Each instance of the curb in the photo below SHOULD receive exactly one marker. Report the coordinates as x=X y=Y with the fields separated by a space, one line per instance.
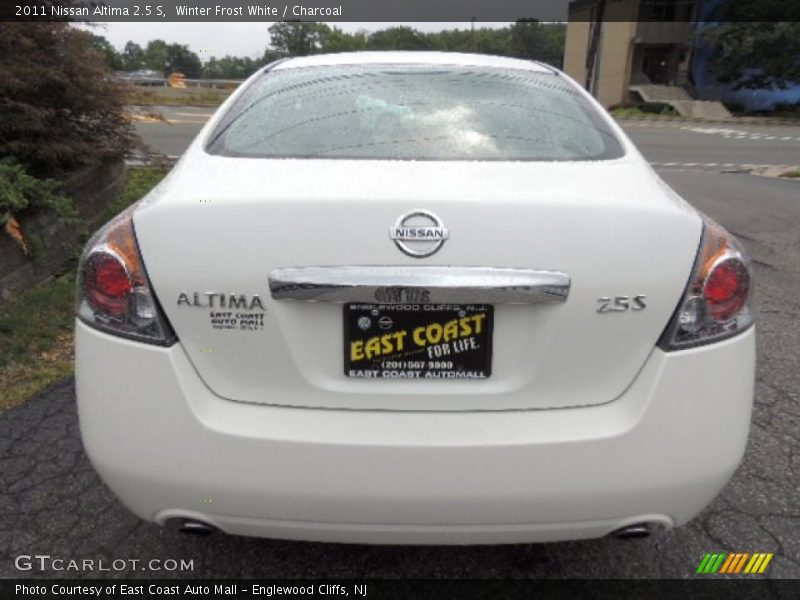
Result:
x=731 y=121
x=772 y=171
x=778 y=172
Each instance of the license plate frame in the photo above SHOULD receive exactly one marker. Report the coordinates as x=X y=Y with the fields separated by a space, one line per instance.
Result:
x=382 y=341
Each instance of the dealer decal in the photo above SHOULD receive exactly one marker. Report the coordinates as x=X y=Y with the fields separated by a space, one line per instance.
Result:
x=245 y=313
x=435 y=337
x=418 y=341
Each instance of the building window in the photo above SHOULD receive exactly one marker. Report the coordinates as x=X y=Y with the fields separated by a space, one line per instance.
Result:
x=667 y=10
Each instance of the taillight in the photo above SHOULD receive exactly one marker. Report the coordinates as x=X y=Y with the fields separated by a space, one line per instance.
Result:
x=114 y=293
x=106 y=283
x=727 y=289
x=717 y=302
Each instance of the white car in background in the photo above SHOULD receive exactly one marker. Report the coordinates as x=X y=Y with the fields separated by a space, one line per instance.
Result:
x=414 y=298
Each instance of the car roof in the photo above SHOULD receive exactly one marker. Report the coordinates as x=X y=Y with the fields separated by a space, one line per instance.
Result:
x=413 y=58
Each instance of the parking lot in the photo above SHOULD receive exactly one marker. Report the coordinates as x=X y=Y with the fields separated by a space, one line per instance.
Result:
x=51 y=501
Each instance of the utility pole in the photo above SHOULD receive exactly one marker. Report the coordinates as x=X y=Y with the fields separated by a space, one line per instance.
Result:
x=595 y=35
x=472 y=34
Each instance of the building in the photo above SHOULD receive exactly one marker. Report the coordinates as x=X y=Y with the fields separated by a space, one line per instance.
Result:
x=615 y=44
x=644 y=50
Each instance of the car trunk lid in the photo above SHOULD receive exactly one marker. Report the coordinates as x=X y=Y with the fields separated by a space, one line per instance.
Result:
x=218 y=227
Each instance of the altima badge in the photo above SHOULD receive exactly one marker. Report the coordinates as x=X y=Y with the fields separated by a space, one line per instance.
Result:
x=419 y=233
x=220 y=300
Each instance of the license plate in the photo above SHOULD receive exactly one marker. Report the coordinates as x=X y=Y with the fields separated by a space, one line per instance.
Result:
x=418 y=341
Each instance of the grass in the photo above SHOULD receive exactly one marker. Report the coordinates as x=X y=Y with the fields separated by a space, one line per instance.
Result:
x=36 y=328
x=36 y=340
x=168 y=96
x=139 y=181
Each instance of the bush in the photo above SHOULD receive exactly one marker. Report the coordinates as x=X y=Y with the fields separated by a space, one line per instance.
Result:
x=642 y=109
x=787 y=109
x=735 y=108
x=657 y=108
x=19 y=192
x=60 y=106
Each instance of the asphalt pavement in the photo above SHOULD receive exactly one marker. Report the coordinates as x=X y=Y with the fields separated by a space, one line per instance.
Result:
x=715 y=146
x=52 y=502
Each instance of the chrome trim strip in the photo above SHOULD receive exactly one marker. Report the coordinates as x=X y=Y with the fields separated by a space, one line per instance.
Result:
x=419 y=285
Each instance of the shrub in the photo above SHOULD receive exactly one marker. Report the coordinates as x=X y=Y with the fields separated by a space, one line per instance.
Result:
x=60 y=106
x=735 y=107
x=20 y=191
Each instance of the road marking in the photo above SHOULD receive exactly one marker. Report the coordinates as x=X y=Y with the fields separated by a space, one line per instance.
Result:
x=147 y=118
x=738 y=134
x=186 y=122
x=183 y=114
x=713 y=167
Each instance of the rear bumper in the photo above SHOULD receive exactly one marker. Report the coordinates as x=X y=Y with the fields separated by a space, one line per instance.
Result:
x=169 y=447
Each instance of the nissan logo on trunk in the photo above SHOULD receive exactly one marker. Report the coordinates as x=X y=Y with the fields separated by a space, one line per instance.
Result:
x=419 y=233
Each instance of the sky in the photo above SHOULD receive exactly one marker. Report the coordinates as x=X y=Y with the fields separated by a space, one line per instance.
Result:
x=236 y=39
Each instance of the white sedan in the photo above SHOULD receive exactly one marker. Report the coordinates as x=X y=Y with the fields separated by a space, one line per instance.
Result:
x=414 y=298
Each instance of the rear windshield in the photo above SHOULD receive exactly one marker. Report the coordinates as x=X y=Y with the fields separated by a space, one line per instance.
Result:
x=412 y=112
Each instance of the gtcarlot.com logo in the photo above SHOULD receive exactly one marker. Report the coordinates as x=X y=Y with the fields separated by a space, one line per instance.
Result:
x=46 y=562
x=743 y=563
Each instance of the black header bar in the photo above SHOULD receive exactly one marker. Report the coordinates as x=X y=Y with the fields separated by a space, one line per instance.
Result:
x=397 y=10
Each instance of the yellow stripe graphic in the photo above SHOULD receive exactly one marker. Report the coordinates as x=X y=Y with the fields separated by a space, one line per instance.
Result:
x=753 y=564
x=765 y=563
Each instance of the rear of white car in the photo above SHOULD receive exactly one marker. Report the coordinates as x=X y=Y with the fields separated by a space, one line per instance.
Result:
x=414 y=298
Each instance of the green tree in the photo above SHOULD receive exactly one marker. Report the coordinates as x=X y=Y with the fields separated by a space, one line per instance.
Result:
x=755 y=43
x=155 y=56
x=298 y=38
x=230 y=67
x=524 y=39
x=536 y=41
x=111 y=57
x=755 y=55
x=132 y=57
x=179 y=59
x=481 y=40
x=398 y=38
x=453 y=40
x=270 y=55
x=337 y=40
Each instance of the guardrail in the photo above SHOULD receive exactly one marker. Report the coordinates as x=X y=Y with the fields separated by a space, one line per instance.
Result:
x=223 y=84
x=146 y=81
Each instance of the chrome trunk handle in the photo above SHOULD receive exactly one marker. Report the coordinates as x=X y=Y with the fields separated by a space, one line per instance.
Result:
x=419 y=285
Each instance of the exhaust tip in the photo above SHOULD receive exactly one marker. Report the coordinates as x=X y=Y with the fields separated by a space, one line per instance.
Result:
x=633 y=532
x=197 y=528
